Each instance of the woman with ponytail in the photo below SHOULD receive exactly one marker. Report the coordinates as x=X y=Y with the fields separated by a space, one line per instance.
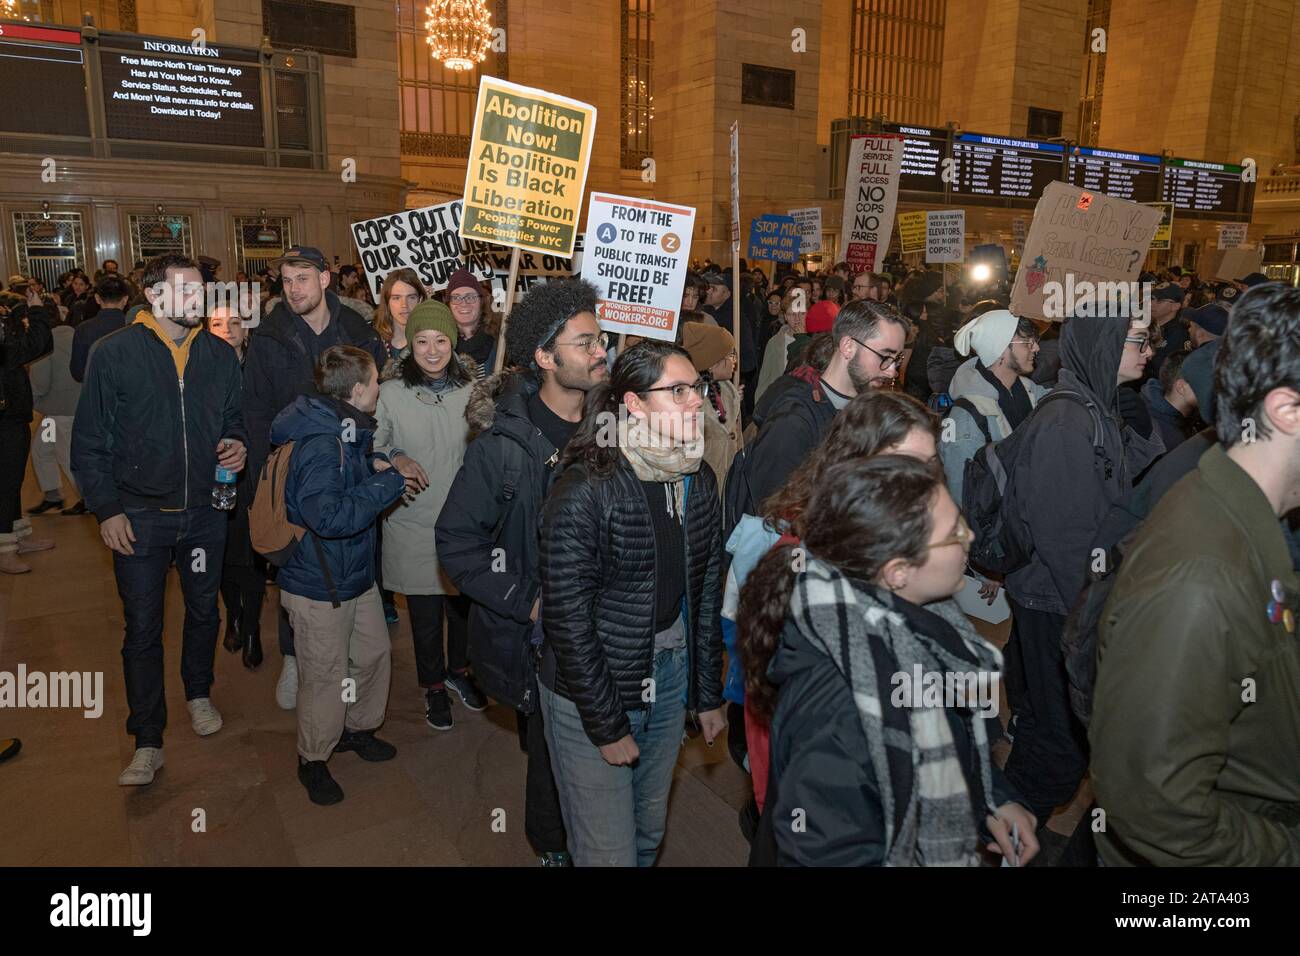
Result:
x=843 y=631
x=630 y=595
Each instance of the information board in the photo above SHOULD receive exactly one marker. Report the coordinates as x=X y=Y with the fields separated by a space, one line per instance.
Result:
x=1004 y=168
x=50 y=63
x=1131 y=176
x=1199 y=186
x=924 y=150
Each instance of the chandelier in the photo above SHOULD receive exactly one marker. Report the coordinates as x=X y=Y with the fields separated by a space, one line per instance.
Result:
x=459 y=32
x=9 y=10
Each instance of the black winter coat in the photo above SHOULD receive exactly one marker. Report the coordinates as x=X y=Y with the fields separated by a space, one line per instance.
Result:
x=792 y=427
x=598 y=594
x=19 y=347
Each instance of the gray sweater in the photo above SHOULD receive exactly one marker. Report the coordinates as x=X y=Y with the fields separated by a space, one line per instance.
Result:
x=54 y=390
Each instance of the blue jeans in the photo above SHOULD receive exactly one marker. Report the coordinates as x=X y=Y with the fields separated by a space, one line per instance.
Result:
x=160 y=538
x=615 y=816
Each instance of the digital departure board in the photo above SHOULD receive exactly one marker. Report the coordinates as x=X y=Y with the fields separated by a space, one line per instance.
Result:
x=1004 y=168
x=174 y=92
x=1199 y=186
x=924 y=150
x=47 y=64
x=1131 y=176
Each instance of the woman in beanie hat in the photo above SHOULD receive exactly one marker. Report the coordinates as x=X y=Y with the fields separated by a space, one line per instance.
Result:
x=421 y=416
x=470 y=309
x=401 y=292
x=713 y=352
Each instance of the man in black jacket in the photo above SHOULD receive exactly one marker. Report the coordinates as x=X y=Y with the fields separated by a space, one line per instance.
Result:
x=112 y=293
x=159 y=413
x=281 y=365
x=487 y=535
x=24 y=337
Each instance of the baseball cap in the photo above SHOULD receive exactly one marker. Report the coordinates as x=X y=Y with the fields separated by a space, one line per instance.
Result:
x=1226 y=295
x=303 y=256
x=1212 y=317
x=1168 y=292
x=1254 y=279
x=715 y=278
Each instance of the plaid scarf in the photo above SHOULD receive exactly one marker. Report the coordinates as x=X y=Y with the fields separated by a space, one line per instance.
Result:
x=923 y=790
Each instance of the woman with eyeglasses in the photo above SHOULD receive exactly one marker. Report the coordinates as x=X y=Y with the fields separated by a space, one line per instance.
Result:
x=867 y=767
x=630 y=594
x=471 y=310
x=400 y=293
x=422 y=428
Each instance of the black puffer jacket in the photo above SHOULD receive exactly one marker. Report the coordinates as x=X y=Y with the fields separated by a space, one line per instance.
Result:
x=598 y=594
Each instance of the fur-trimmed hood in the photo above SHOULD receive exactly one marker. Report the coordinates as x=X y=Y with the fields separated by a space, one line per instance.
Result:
x=506 y=392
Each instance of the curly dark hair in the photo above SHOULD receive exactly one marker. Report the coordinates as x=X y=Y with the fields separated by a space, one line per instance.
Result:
x=538 y=317
x=1259 y=352
x=865 y=513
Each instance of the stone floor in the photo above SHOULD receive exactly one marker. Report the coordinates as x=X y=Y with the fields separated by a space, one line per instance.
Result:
x=435 y=804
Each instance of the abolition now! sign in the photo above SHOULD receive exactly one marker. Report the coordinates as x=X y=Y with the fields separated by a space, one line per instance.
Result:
x=775 y=238
x=637 y=260
x=870 y=197
x=1077 y=240
x=428 y=241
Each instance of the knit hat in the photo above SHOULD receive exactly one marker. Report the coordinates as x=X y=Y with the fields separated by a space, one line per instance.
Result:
x=707 y=344
x=462 y=279
x=431 y=315
x=989 y=334
x=821 y=317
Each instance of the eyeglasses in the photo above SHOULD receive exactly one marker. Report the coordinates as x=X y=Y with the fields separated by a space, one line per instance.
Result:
x=1141 y=341
x=592 y=345
x=886 y=361
x=466 y=299
x=681 y=391
x=963 y=535
x=1032 y=343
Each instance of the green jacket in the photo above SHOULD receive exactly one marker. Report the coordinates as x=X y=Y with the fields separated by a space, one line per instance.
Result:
x=1187 y=772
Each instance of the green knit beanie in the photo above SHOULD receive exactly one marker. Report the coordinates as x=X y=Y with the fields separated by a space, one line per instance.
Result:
x=431 y=315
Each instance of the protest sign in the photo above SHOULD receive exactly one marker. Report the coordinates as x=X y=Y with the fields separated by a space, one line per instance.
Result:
x=640 y=250
x=1239 y=263
x=870 y=195
x=810 y=228
x=911 y=231
x=427 y=240
x=735 y=182
x=1019 y=228
x=527 y=167
x=1165 y=230
x=945 y=235
x=774 y=237
x=1232 y=235
x=1079 y=237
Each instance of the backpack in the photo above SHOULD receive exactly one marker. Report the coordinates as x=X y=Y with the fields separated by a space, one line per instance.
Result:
x=273 y=535
x=1000 y=545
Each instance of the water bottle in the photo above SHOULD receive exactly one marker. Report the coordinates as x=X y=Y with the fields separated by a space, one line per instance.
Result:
x=223 y=489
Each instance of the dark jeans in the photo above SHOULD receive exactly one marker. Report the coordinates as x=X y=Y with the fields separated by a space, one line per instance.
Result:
x=195 y=540
x=543 y=821
x=426 y=632
x=15 y=443
x=1050 y=753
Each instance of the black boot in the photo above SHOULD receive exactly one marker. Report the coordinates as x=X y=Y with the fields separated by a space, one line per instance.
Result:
x=253 y=646
x=234 y=639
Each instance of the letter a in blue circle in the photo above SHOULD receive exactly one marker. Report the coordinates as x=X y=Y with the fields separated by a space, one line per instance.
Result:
x=607 y=232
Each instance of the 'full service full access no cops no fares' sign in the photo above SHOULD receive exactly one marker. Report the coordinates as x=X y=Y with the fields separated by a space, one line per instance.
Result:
x=870 y=196
x=527 y=167
x=636 y=257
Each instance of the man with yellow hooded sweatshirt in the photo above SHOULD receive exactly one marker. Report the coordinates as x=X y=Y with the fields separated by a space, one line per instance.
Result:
x=159 y=412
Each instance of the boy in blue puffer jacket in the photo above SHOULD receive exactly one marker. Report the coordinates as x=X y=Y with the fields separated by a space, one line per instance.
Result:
x=336 y=489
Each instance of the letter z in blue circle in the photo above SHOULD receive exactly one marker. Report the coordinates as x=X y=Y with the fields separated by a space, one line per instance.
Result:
x=606 y=232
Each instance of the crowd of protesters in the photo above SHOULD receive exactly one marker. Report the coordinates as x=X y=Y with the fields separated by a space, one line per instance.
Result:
x=758 y=530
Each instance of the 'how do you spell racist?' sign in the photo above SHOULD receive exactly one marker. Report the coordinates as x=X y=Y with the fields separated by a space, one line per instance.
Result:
x=427 y=241
x=1079 y=240
x=637 y=255
x=527 y=167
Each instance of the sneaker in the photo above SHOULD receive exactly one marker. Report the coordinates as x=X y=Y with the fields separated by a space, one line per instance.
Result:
x=390 y=613
x=10 y=564
x=203 y=716
x=322 y=790
x=46 y=505
x=366 y=745
x=437 y=712
x=78 y=509
x=557 y=859
x=467 y=689
x=286 y=688
x=140 y=771
x=28 y=545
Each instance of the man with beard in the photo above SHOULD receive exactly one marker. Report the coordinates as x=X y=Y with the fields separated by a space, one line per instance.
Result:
x=281 y=365
x=487 y=533
x=159 y=412
x=869 y=340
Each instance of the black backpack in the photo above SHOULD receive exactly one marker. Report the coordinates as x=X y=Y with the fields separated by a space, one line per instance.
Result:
x=1001 y=543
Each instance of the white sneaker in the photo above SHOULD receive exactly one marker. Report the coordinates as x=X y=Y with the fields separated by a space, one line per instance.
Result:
x=286 y=689
x=140 y=771
x=203 y=716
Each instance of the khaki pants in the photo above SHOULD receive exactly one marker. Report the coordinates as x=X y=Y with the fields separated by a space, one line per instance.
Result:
x=333 y=644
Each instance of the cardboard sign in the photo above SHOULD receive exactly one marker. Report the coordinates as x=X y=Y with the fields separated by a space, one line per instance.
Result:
x=428 y=241
x=1164 y=231
x=1239 y=263
x=1232 y=235
x=640 y=250
x=735 y=182
x=911 y=231
x=1086 y=236
x=810 y=228
x=774 y=237
x=945 y=235
x=870 y=196
x=527 y=168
